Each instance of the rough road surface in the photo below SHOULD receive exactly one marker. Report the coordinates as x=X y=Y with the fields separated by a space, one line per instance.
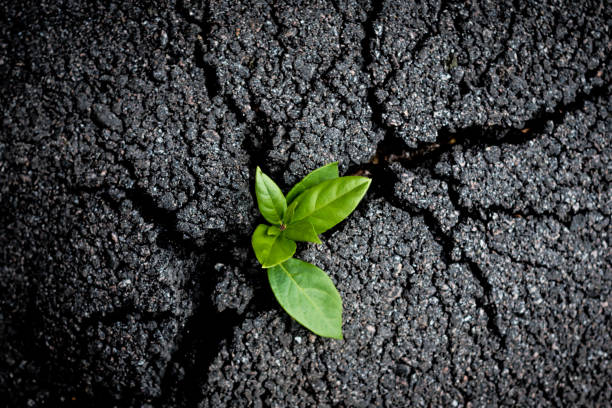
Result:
x=477 y=271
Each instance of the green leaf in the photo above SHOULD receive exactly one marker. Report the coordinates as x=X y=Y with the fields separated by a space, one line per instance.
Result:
x=329 y=202
x=302 y=231
x=271 y=247
x=327 y=172
x=270 y=198
x=309 y=296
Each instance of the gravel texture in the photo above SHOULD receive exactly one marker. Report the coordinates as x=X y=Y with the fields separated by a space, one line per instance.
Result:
x=298 y=73
x=477 y=271
x=452 y=65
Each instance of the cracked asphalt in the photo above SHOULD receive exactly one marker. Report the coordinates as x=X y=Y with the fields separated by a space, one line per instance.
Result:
x=476 y=272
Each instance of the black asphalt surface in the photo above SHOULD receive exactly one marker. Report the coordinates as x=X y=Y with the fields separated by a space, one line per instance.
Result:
x=476 y=272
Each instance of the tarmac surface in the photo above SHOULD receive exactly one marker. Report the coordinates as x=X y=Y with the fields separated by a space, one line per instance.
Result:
x=476 y=272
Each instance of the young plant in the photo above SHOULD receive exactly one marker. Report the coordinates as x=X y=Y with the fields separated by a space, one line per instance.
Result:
x=314 y=205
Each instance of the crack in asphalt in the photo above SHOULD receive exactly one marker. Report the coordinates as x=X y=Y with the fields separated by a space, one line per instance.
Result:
x=433 y=29
x=478 y=135
x=366 y=54
x=481 y=79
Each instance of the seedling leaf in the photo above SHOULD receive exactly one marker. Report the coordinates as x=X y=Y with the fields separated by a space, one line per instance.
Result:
x=327 y=172
x=329 y=202
x=271 y=247
x=270 y=198
x=309 y=296
x=302 y=231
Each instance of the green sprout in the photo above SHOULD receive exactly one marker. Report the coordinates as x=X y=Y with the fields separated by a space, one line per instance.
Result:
x=314 y=205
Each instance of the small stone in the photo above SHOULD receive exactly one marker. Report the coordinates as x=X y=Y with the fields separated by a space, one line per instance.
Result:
x=163 y=38
x=83 y=102
x=103 y=116
x=162 y=113
x=125 y=283
x=160 y=75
